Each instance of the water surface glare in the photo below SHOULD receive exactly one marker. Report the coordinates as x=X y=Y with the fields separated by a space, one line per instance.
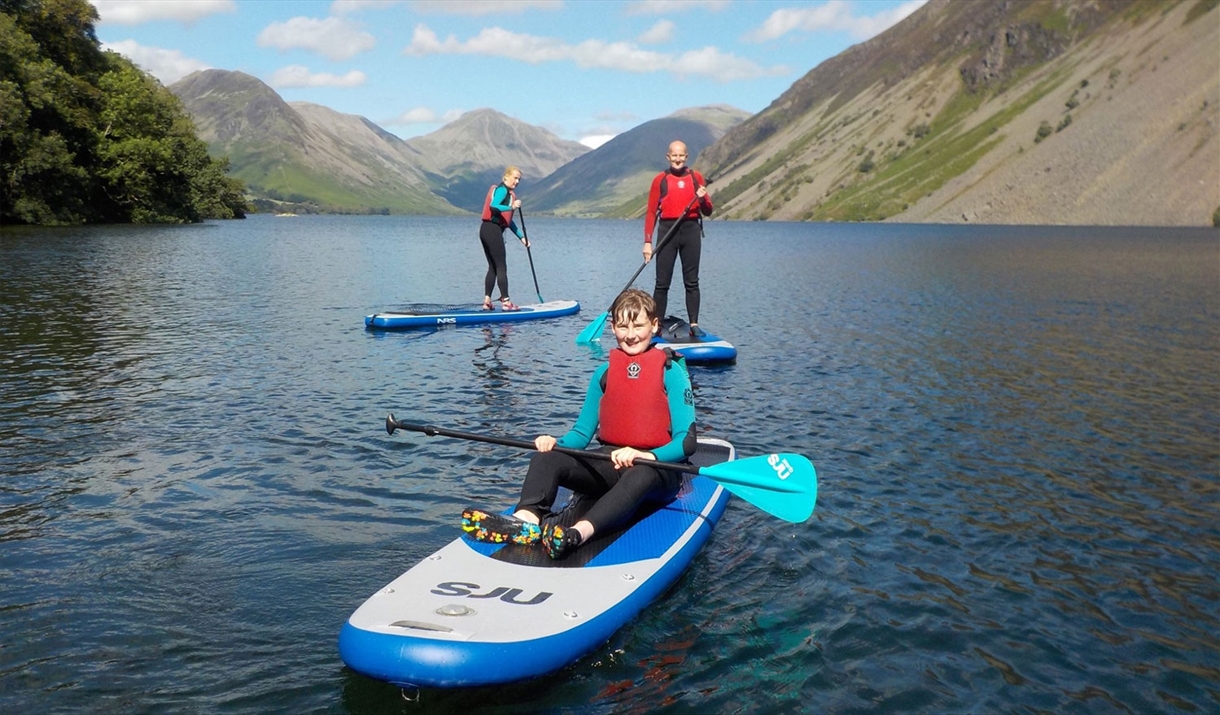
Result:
x=1016 y=431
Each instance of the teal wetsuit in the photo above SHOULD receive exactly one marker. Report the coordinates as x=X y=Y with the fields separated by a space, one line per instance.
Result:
x=491 y=235
x=618 y=492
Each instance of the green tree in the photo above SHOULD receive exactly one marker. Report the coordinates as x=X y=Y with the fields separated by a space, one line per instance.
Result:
x=44 y=118
x=86 y=136
x=151 y=166
x=217 y=195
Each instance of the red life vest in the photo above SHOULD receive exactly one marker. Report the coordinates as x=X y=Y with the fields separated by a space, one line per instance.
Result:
x=634 y=410
x=677 y=192
x=489 y=214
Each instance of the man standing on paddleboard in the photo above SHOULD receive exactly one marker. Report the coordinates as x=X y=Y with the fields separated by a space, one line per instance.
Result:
x=671 y=199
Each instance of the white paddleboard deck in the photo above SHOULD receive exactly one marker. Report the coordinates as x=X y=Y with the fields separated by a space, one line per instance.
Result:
x=478 y=614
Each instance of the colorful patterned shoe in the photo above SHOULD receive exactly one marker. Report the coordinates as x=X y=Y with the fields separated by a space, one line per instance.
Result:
x=560 y=540
x=499 y=529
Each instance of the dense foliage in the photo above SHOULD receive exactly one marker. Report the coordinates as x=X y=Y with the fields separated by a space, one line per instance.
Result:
x=87 y=137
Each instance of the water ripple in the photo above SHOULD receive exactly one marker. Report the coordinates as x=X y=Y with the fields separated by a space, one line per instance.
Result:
x=1015 y=431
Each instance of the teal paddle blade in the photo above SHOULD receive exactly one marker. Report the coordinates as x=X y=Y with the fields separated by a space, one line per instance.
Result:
x=594 y=329
x=784 y=485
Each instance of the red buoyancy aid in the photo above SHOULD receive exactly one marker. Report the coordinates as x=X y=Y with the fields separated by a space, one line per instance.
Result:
x=634 y=410
x=503 y=218
x=677 y=192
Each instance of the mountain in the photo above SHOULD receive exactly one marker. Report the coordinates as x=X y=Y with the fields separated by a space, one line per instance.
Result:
x=1013 y=111
x=613 y=179
x=468 y=155
x=304 y=156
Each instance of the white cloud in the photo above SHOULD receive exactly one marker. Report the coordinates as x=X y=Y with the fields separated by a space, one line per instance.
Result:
x=597 y=140
x=711 y=62
x=343 y=7
x=300 y=76
x=669 y=7
x=836 y=15
x=590 y=54
x=135 y=12
x=334 y=38
x=425 y=115
x=168 y=66
x=478 y=8
x=659 y=33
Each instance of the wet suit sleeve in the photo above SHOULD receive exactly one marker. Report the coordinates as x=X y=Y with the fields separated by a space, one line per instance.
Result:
x=500 y=204
x=585 y=429
x=705 y=204
x=654 y=203
x=681 y=416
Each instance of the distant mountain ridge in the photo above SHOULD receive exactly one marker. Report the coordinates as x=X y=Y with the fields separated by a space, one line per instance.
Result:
x=613 y=179
x=303 y=156
x=306 y=157
x=1029 y=111
x=469 y=154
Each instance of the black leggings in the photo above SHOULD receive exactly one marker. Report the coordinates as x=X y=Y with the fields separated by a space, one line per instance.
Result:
x=686 y=242
x=618 y=493
x=491 y=235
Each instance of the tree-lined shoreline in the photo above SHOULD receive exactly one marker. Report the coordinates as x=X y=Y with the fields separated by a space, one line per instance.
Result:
x=87 y=137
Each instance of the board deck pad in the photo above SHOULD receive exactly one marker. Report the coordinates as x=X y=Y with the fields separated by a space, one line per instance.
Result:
x=434 y=315
x=479 y=613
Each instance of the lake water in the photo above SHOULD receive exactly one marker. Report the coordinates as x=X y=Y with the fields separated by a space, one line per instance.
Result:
x=1016 y=429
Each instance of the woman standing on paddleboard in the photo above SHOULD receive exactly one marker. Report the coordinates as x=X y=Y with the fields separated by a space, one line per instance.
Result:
x=639 y=405
x=498 y=210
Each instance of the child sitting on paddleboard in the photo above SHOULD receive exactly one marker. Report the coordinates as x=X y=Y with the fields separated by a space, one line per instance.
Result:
x=639 y=405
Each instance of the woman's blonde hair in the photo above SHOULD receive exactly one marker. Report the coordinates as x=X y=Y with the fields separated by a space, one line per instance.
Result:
x=509 y=171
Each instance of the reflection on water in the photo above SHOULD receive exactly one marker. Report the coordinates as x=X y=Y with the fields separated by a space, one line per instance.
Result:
x=1015 y=429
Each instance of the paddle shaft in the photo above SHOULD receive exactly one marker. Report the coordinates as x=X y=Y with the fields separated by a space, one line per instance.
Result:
x=525 y=234
x=672 y=230
x=392 y=424
x=783 y=485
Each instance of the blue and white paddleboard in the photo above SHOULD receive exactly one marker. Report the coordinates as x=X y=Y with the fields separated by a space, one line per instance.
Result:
x=432 y=317
x=479 y=614
x=708 y=348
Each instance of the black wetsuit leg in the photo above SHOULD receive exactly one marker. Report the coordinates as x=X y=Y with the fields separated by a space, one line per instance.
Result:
x=664 y=259
x=635 y=486
x=491 y=235
x=618 y=494
x=690 y=246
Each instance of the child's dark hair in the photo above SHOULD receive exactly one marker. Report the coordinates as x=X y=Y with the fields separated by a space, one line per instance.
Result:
x=632 y=303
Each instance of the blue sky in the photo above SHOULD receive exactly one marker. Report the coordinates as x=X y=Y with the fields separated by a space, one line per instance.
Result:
x=584 y=69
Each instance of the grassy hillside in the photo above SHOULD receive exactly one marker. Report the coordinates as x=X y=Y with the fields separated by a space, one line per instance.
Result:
x=998 y=112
